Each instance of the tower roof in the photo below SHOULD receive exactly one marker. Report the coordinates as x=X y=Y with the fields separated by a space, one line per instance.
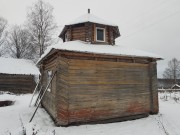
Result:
x=90 y=18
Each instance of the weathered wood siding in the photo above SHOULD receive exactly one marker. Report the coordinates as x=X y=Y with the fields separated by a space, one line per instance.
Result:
x=62 y=92
x=78 y=33
x=101 y=90
x=49 y=100
x=17 y=83
x=153 y=88
x=87 y=32
x=109 y=38
x=90 y=90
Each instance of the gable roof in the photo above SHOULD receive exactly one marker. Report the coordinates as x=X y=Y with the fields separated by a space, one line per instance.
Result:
x=116 y=50
x=18 y=66
x=175 y=86
x=90 y=18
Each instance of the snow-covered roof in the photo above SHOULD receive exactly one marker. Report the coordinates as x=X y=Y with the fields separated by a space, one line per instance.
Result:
x=117 y=50
x=90 y=18
x=175 y=85
x=18 y=66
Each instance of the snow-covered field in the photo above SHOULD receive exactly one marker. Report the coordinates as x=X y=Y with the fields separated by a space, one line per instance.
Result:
x=14 y=120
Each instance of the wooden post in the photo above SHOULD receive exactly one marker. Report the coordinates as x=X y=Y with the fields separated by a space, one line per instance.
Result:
x=94 y=33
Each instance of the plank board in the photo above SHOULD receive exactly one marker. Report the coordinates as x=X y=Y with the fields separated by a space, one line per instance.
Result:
x=103 y=90
x=17 y=83
x=87 y=90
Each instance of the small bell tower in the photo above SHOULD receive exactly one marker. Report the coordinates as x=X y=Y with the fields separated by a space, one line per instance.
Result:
x=90 y=29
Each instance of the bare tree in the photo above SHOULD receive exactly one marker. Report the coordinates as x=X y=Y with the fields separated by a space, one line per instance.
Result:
x=19 y=43
x=173 y=70
x=3 y=24
x=41 y=25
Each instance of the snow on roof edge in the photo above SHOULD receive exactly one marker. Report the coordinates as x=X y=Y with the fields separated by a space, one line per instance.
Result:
x=18 y=66
x=88 y=17
x=74 y=48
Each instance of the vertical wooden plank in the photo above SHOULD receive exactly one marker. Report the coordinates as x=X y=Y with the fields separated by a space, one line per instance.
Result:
x=94 y=33
x=109 y=35
x=153 y=88
x=62 y=92
x=70 y=33
x=106 y=35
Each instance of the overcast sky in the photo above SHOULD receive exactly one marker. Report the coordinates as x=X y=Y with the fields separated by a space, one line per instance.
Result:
x=150 y=25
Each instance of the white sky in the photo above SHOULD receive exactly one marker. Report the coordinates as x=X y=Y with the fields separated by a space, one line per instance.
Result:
x=150 y=25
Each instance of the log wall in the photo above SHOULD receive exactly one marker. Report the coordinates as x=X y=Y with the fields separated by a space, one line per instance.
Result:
x=153 y=88
x=78 y=33
x=103 y=90
x=92 y=90
x=87 y=32
x=49 y=100
x=17 y=83
x=62 y=96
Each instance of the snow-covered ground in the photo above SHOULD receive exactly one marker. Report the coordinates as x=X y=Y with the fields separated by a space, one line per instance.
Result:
x=15 y=118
